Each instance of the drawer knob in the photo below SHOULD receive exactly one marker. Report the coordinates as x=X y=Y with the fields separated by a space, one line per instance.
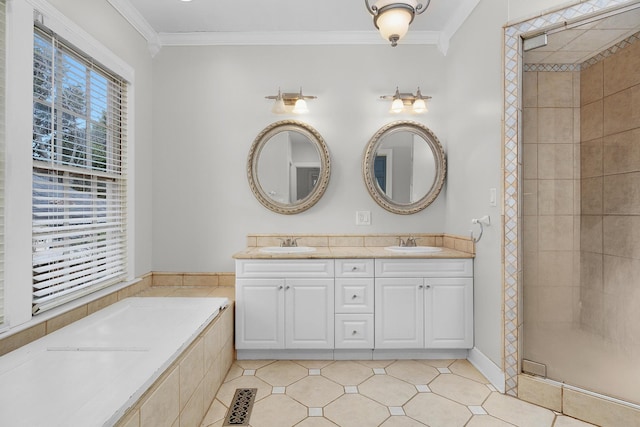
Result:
x=354 y=333
x=354 y=268
x=354 y=296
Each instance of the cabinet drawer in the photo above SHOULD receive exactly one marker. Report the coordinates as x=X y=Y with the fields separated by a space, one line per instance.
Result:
x=354 y=268
x=261 y=268
x=450 y=267
x=354 y=331
x=354 y=295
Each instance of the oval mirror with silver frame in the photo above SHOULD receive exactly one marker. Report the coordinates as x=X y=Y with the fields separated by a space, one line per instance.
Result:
x=404 y=167
x=288 y=167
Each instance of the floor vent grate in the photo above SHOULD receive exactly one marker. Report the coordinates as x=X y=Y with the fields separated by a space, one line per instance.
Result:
x=240 y=408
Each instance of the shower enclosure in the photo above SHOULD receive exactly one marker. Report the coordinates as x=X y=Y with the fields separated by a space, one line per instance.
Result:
x=580 y=205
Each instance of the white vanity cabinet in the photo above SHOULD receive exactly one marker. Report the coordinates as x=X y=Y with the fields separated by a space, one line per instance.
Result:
x=284 y=304
x=423 y=303
x=354 y=296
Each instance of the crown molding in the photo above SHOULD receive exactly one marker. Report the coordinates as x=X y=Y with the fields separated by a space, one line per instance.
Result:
x=291 y=38
x=137 y=21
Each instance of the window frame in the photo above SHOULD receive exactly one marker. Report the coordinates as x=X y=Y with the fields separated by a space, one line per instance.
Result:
x=19 y=128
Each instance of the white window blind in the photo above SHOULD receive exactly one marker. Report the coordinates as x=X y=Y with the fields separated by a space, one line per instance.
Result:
x=2 y=118
x=79 y=174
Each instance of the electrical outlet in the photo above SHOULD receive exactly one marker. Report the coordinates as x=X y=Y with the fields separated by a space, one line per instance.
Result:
x=363 y=218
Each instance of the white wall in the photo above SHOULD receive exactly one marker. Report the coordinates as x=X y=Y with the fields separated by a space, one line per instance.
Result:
x=474 y=92
x=209 y=106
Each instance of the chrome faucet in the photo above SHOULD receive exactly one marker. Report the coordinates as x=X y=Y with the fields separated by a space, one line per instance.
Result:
x=409 y=242
x=288 y=242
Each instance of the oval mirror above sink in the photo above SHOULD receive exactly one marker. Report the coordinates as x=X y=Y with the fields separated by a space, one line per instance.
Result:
x=288 y=167
x=404 y=167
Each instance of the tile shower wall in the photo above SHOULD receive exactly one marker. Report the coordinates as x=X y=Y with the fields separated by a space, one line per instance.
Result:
x=610 y=169
x=551 y=205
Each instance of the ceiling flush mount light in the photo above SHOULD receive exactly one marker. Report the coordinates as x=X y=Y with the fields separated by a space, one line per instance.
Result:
x=392 y=18
x=290 y=102
x=407 y=102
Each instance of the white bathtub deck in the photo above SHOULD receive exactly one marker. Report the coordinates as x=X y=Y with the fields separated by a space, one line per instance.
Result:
x=88 y=373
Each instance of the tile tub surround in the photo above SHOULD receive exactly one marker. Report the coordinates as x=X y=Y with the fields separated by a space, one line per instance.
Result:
x=107 y=367
x=375 y=393
x=184 y=392
x=359 y=245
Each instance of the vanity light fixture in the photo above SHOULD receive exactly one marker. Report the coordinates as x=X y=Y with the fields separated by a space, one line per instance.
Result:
x=290 y=102
x=392 y=18
x=402 y=101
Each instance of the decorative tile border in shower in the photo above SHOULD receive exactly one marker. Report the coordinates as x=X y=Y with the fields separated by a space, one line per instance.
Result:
x=512 y=163
x=613 y=49
x=551 y=67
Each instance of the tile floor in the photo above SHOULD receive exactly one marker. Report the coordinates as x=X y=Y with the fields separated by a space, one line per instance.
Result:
x=435 y=393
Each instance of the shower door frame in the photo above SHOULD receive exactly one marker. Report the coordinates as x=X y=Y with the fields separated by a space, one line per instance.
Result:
x=512 y=171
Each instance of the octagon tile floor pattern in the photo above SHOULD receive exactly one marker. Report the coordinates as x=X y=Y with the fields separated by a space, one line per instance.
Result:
x=400 y=393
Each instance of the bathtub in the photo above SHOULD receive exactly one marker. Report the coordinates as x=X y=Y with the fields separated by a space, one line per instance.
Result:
x=92 y=371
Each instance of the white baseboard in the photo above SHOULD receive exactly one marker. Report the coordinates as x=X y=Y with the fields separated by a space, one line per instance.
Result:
x=487 y=368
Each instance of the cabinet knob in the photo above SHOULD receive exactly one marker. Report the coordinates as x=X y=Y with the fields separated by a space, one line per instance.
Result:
x=280 y=287
x=428 y=286
x=286 y=288
x=354 y=333
x=354 y=296
x=421 y=287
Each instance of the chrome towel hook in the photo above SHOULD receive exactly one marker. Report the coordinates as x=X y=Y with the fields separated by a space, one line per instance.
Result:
x=485 y=220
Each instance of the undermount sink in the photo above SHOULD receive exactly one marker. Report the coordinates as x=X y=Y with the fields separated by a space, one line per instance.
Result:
x=287 y=249
x=413 y=249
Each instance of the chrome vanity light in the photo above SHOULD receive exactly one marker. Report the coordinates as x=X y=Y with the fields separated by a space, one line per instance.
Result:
x=407 y=101
x=286 y=102
x=404 y=167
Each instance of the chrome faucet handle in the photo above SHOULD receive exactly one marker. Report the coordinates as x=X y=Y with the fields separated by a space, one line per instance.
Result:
x=401 y=242
x=294 y=242
x=284 y=242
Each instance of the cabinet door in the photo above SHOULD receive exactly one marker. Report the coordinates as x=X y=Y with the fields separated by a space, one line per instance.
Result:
x=399 y=314
x=448 y=313
x=309 y=317
x=259 y=313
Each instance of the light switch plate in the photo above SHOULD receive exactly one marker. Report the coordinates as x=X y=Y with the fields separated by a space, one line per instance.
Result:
x=363 y=218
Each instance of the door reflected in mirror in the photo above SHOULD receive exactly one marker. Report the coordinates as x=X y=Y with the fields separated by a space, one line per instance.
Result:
x=404 y=167
x=288 y=167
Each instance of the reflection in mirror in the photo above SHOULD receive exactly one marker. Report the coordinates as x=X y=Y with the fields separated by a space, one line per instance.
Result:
x=288 y=167
x=404 y=167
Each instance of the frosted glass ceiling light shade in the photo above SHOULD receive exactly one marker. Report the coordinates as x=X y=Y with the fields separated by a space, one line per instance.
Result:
x=290 y=102
x=392 y=18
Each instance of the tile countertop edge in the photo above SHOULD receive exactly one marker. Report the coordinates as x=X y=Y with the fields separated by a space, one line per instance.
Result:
x=254 y=252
